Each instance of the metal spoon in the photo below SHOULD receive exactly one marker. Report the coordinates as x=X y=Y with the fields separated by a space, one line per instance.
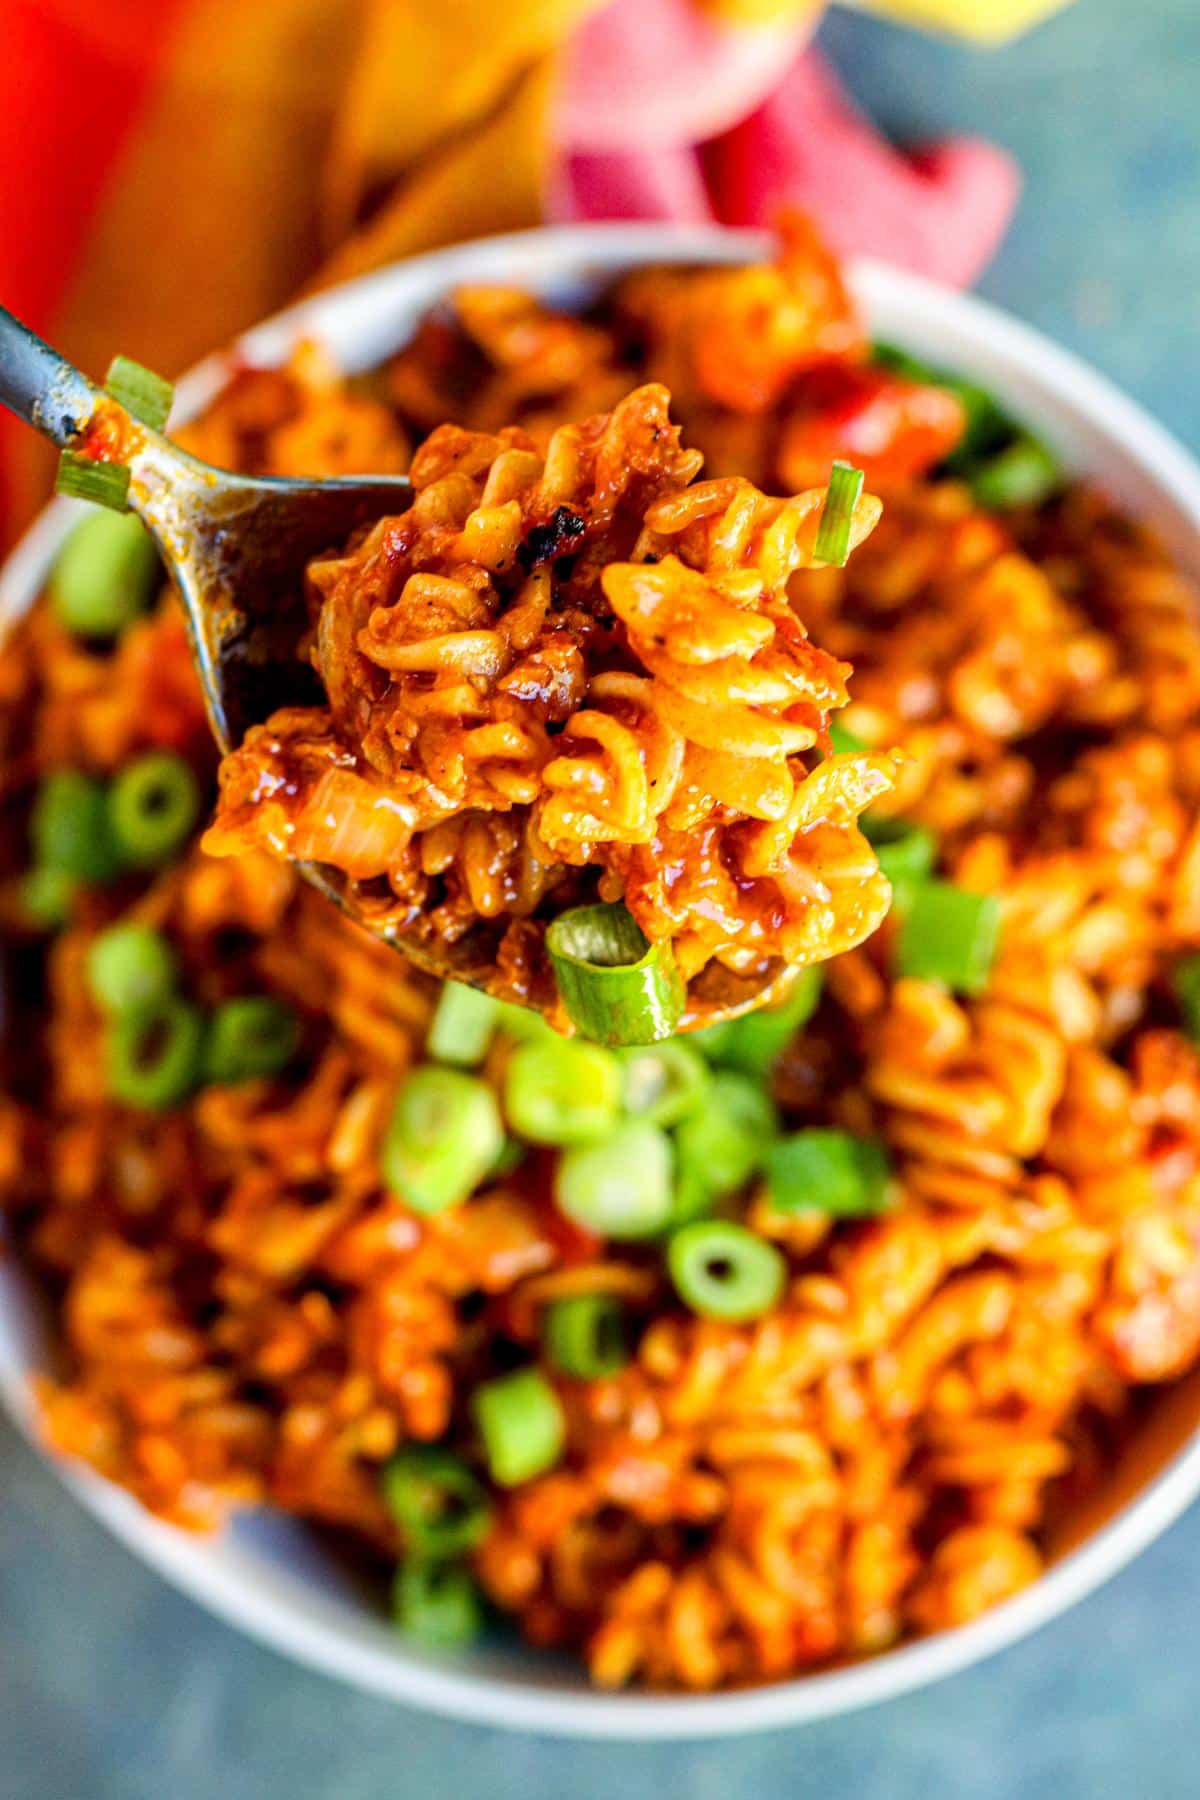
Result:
x=236 y=547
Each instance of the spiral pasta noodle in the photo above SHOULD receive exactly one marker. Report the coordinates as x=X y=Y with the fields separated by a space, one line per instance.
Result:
x=570 y=664
x=576 y=666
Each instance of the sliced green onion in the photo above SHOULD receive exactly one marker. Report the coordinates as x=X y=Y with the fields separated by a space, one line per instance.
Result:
x=912 y=848
x=1185 y=979
x=617 y=987
x=720 y=1146
x=692 y=1199
x=664 y=1082
x=584 y=1336
x=145 y=396
x=249 y=1038
x=104 y=574
x=1023 y=474
x=949 y=935
x=754 y=1042
x=70 y=830
x=522 y=1023
x=906 y=853
x=444 y=1137
x=437 y=1603
x=153 y=804
x=521 y=1422
x=620 y=1187
x=47 y=897
x=464 y=1023
x=827 y=1171
x=105 y=484
x=131 y=966
x=722 y=1271
x=438 y=1503
x=711 y=1039
x=843 y=741
x=155 y=1055
x=837 y=515
x=512 y=1155
x=561 y=1091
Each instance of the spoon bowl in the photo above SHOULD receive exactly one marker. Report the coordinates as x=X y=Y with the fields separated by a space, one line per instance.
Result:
x=236 y=548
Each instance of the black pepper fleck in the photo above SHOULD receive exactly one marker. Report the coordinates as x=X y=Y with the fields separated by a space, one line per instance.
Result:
x=544 y=542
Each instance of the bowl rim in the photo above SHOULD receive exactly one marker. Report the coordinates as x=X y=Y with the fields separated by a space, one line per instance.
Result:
x=460 y=1692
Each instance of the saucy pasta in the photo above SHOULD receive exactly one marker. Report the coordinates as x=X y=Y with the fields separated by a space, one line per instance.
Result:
x=736 y=1355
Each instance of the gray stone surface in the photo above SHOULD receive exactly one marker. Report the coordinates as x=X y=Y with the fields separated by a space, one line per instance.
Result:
x=113 y=1687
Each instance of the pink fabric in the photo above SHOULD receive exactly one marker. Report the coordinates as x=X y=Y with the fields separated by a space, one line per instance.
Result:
x=665 y=115
x=941 y=212
x=652 y=73
x=666 y=183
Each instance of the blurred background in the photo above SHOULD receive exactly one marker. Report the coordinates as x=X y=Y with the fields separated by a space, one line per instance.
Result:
x=171 y=170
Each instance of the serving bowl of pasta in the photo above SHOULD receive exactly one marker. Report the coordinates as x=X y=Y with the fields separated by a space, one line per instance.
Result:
x=910 y=1365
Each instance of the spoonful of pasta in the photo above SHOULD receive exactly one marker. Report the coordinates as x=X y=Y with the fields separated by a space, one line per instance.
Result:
x=546 y=719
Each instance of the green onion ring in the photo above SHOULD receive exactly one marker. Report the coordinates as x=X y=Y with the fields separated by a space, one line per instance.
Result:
x=584 y=1336
x=617 y=986
x=438 y=1603
x=438 y=1502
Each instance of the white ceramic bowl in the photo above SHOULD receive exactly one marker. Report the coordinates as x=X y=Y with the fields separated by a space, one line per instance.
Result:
x=267 y=1574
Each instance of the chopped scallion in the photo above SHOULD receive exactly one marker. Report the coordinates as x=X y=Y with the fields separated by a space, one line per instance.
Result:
x=437 y=1603
x=106 y=484
x=153 y=804
x=1023 y=474
x=843 y=741
x=837 y=516
x=438 y=1503
x=130 y=966
x=464 y=1023
x=949 y=935
x=1185 y=979
x=250 y=1038
x=664 y=1082
x=906 y=853
x=143 y=394
x=520 y=1420
x=103 y=575
x=584 y=1336
x=719 y=1146
x=155 y=1055
x=69 y=827
x=47 y=897
x=512 y=1155
x=522 y=1022
x=562 y=1091
x=444 y=1137
x=617 y=987
x=620 y=1187
x=827 y=1171
x=754 y=1042
x=722 y=1271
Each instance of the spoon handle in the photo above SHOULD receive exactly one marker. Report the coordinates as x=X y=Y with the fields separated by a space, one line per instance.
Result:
x=41 y=386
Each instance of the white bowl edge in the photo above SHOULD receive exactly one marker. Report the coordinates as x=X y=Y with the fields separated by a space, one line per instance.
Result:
x=249 y=1575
